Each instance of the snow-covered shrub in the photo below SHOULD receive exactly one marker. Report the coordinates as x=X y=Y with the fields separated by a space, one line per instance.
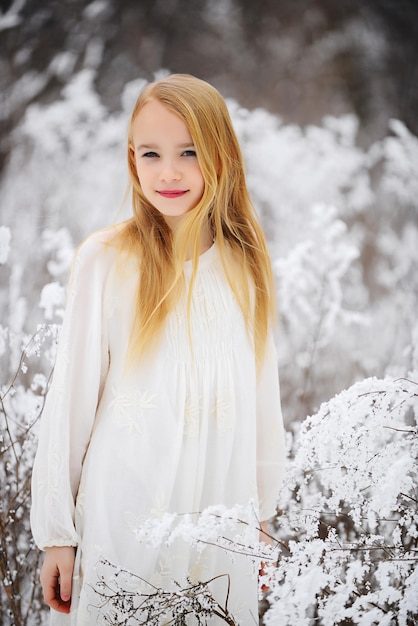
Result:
x=399 y=153
x=22 y=392
x=21 y=403
x=349 y=512
x=312 y=296
x=341 y=222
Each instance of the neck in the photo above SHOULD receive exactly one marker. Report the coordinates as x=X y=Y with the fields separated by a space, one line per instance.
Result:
x=206 y=236
x=206 y=241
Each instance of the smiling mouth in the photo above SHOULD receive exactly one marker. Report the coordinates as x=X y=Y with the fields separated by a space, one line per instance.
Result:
x=172 y=193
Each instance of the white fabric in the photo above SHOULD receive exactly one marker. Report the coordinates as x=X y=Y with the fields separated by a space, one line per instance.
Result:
x=186 y=429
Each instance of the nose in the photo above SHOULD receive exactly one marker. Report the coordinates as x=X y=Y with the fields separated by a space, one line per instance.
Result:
x=169 y=171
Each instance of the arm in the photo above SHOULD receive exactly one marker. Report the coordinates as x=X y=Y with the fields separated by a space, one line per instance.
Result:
x=270 y=444
x=270 y=435
x=71 y=403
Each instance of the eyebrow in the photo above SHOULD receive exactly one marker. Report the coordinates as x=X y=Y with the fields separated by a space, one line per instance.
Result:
x=152 y=146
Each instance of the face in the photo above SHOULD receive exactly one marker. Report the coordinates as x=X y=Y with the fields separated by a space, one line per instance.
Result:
x=166 y=162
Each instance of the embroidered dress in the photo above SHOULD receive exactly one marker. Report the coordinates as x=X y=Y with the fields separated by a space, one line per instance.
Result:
x=189 y=428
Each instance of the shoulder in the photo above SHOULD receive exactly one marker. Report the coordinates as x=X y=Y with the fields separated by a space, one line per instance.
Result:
x=100 y=241
x=97 y=253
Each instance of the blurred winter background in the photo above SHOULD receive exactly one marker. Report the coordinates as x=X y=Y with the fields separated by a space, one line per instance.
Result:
x=324 y=98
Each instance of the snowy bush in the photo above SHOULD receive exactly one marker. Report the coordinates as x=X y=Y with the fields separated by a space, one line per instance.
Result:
x=21 y=403
x=22 y=394
x=350 y=512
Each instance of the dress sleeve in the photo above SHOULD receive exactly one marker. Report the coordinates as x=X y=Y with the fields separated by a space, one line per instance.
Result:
x=270 y=435
x=70 y=408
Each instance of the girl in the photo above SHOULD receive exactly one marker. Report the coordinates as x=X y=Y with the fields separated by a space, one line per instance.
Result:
x=165 y=397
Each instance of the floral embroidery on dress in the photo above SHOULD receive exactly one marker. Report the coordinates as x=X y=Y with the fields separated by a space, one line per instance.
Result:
x=162 y=576
x=160 y=505
x=191 y=417
x=50 y=477
x=224 y=410
x=135 y=520
x=199 y=571
x=131 y=408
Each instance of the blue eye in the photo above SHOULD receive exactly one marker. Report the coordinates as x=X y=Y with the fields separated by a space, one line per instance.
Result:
x=189 y=153
x=150 y=155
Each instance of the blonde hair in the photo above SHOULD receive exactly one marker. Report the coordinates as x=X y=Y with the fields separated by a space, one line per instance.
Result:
x=225 y=206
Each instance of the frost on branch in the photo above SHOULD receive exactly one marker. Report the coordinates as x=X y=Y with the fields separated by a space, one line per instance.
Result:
x=310 y=277
x=312 y=284
x=235 y=530
x=21 y=404
x=52 y=300
x=399 y=153
x=350 y=512
x=60 y=249
x=124 y=598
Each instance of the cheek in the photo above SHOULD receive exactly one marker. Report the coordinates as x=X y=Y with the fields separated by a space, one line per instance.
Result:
x=199 y=177
x=141 y=173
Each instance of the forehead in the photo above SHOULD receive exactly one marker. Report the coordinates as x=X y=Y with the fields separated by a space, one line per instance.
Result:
x=158 y=121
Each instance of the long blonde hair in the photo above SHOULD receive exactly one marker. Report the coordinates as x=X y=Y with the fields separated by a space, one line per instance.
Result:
x=225 y=206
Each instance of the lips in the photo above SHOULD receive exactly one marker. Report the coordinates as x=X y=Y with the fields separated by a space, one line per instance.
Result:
x=172 y=193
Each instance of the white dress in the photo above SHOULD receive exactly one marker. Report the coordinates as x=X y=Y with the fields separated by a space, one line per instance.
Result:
x=189 y=428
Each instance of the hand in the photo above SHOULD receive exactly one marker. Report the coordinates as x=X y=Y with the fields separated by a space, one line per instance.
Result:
x=56 y=577
x=265 y=536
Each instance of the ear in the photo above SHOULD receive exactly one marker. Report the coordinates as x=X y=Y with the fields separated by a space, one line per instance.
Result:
x=131 y=159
